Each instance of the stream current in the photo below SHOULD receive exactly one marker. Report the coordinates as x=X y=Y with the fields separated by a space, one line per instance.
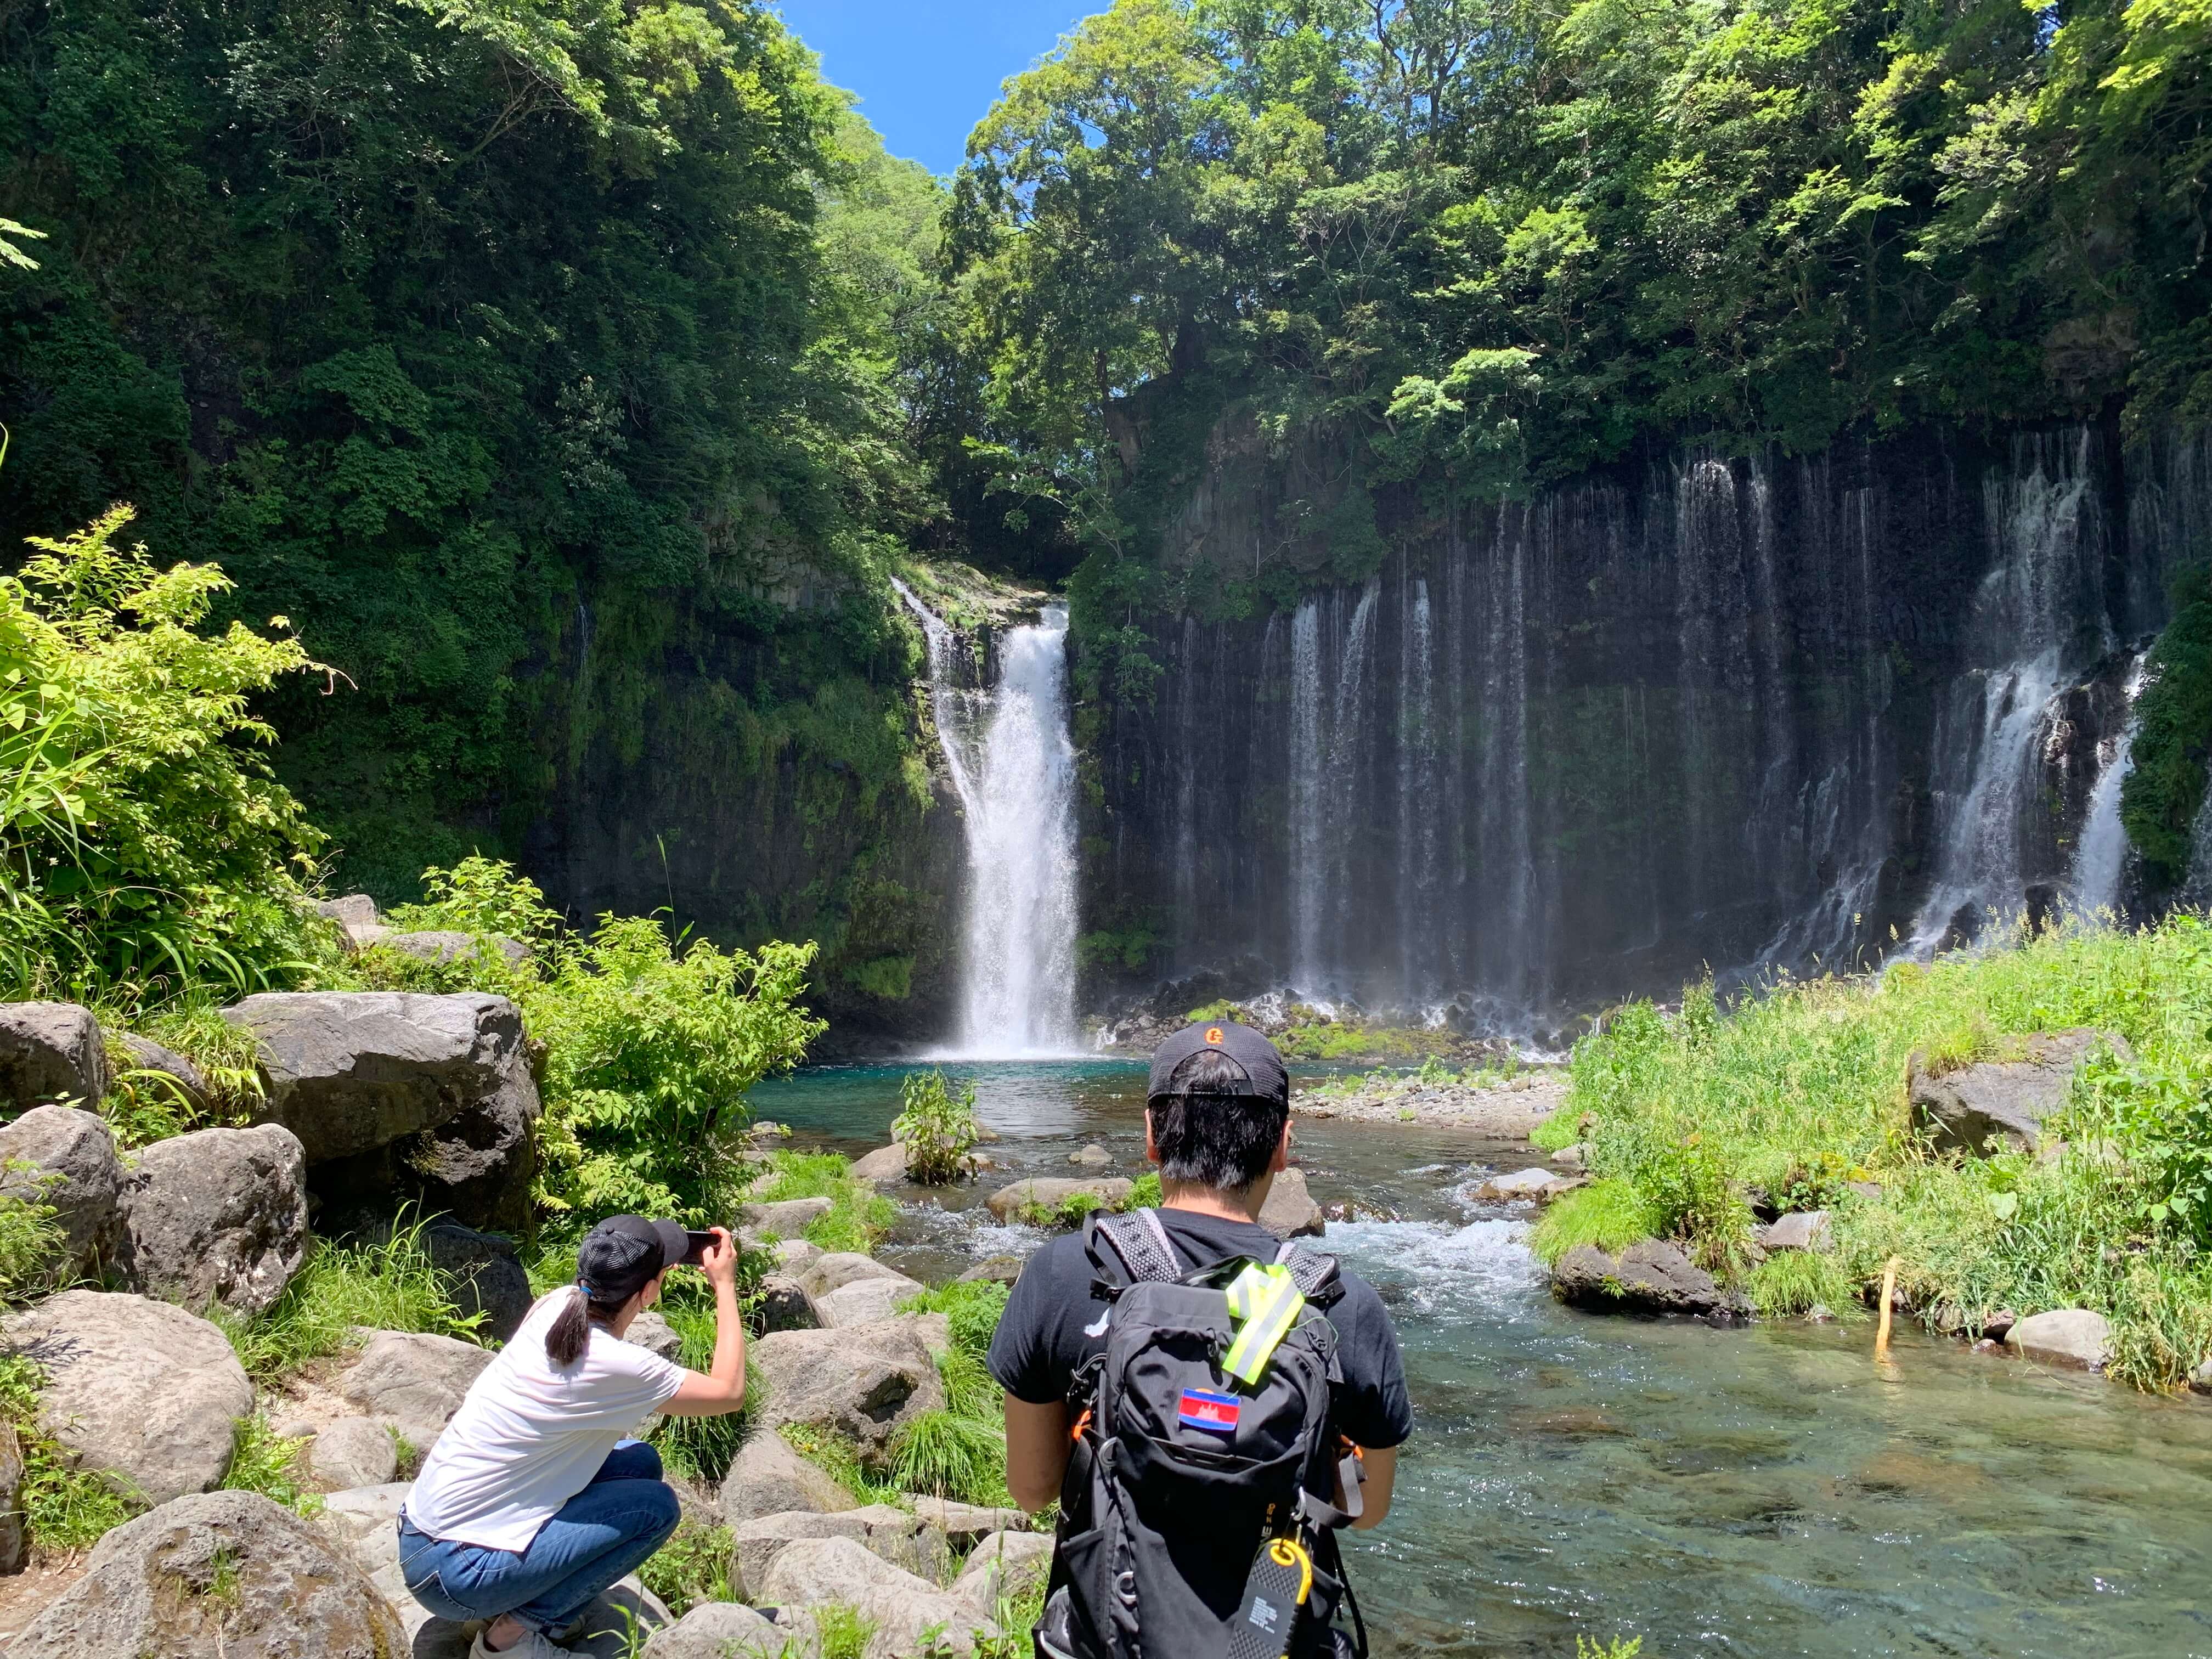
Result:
x=1764 y=1491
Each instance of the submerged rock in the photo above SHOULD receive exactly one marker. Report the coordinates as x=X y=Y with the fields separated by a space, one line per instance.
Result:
x=1049 y=1194
x=1534 y=1184
x=2064 y=1336
x=995 y=1270
x=1997 y=1104
x=1651 y=1276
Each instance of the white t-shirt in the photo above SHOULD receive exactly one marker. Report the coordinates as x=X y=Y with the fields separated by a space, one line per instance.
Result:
x=532 y=1434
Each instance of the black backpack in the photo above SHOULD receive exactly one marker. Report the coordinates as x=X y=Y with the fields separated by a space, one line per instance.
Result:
x=1196 y=1519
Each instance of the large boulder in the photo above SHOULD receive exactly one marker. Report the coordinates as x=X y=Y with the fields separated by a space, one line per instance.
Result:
x=785 y=1306
x=965 y=1525
x=483 y=1273
x=2001 y=1103
x=352 y=1453
x=224 y=1573
x=65 y=1158
x=716 y=1630
x=885 y=1167
x=50 y=1051
x=768 y=1478
x=787 y=1218
x=1003 y=1565
x=1048 y=1194
x=864 y=1382
x=180 y=1074
x=413 y=1380
x=839 y=1268
x=863 y=1301
x=1800 y=1230
x=2064 y=1336
x=757 y=1542
x=356 y=919
x=908 y=1614
x=1290 y=1211
x=443 y=945
x=219 y=1216
x=655 y=1334
x=141 y=1391
x=1648 y=1277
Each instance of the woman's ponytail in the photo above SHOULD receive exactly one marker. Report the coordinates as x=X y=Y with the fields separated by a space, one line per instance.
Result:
x=570 y=1330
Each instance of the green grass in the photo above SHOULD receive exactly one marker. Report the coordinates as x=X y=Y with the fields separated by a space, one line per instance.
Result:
x=840 y=1463
x=262 y=1461
x=702 y=1446
x=29 y=1236
x=949 y=1454
x=692 y=1567
x=1609 y=1214
x=839 y=1631
x=1801 y=1092
x=386 y=1286
x=65 y=1509
x=971 y=1309
x=858 y=1215
x=1797 y=1281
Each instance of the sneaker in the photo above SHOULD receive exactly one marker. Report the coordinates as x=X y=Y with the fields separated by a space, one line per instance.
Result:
x=534 y=1644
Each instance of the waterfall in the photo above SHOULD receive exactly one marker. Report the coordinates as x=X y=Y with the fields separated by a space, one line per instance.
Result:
x=1307 y=876
x=1418 y=807
x=2100 y=861
x=1012 y=763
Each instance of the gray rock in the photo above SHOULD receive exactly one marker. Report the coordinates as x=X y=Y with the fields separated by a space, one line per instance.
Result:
x=2001 y=1101
x=716 y=1630
x=189 y=1081
x=1648 y=1277
x=353 y=1452
x=905 y=1539
x=2064 y=1336
x=12 y=1541
x=225 y=1572
x=757 y=1542
x=965 y=1525
x=353 y=1072
x=865 y=1382
x=1535 y=1183
x=788 y=1218
x=413 y=1381
x=1570 y=1158
x=1008 y=1202
x=842 y=1267
x=863 y=1301
x=1094 y=1155
x=885 y=1167
x=1290 y=1211
x=796 y=1256
x=73 y=1168
x=443 y=946
x=141 y=1391
x=219 y=1216
x=1800 y=1230
x=354 y=910
x=363 y=1522
x=1009 y=1565
x=50 y=1051
x=768 y=1478
x=908 y=1613
x=785 y=1306
x=995 y=1270
x=2200 y=1379
x=483 y=1274
x=653 y=1333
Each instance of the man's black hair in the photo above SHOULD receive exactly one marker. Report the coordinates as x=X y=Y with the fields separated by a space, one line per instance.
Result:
x=1208 y=1130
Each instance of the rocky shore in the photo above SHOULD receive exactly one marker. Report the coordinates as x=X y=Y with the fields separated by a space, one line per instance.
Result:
x=1509 y=1109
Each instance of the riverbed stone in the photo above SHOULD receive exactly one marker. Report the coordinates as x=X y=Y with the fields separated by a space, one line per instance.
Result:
x=864 y=1301
x=66 y=1160
x=908 y=1613
x=219 y=1216
x=2064 y=1336
x=1651 y=1276
x=785 y=1306
x=864 y=1382
x=716 y=1630
x=1535 y=1184
x=994 y=1269
x=787 y=1218
x=885 y=1167
x=796 y=1256
x=49 y=1052
x=1290 y=1211
x=768 y=1478
x=1800 y=1230
x=1008 y=1563
x=1093 y=1155
x=141 y=1391
x=352 y=1452
x=2001 y=1103
x=217 y=1573
x=1047 y=1194
x=414 y=1381
x=839 y=1268
x=2200 y=1378
x=12 y=1541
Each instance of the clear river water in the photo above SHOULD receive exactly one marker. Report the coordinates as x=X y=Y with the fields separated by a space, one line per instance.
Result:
x=1768 y=1490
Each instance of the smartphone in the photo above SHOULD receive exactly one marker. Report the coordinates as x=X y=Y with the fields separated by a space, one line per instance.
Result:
x=698 y=1244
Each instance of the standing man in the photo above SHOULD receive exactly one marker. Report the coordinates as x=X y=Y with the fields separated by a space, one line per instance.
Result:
x=1210 y=1405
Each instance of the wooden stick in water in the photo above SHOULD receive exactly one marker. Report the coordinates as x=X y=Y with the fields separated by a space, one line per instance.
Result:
x=1888 y=1291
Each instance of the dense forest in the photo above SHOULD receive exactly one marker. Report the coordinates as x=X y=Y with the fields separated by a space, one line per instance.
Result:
x=572 y=375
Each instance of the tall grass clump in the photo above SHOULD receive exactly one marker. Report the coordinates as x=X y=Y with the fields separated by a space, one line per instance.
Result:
x=1800 y=1096
x=389 y=1285
x=858 y=1215
x=1609 y=1214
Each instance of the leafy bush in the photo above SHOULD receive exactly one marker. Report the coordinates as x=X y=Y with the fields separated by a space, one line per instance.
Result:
x=143 y=843
x=481 y=896
x=938 y=1127
x=392 y=1285
x=1144 y=1194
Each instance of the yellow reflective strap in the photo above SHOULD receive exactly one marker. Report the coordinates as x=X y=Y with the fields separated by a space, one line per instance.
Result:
x=1288 y=1551
x=1266 y=1301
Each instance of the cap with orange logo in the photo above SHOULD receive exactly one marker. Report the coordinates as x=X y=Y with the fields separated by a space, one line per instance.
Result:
x=1264 y=1075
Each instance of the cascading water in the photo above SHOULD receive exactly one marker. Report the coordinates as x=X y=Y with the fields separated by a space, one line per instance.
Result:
x=2100 y=861
x=1012 y=763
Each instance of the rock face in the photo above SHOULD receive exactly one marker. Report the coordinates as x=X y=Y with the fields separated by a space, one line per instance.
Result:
x=715 y=1630
x=353 y=1452
x=903 y=1608
x=788 y=1219
x=2065 y=1336
x=768 y=1478
x=1290 y=1211
x=50 y=1051
x=1648 y=1277
x=220 y=1215
x=1049 y=1194
x=863 y=1301
x=73 y=1169
x=2001 y=1101
x=413 y=1381
x=865 y=1382
x=226 y=1572
x=388 y=1090
x=1800 y=1230
x=140 y=1390
x=483 y=1273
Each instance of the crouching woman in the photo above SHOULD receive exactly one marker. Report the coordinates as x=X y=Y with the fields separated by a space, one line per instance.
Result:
x=536 y=1497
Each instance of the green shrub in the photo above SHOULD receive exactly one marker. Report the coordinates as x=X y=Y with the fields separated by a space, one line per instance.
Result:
x=1609 y=1214
x=1797 y=1281
x=262 y=1461
x=1145 y=1194
x=841 y=1632
x=480 y=896
x=938 y=1127
x=65 y=1509
x=692 y=1567
x=392 y=1285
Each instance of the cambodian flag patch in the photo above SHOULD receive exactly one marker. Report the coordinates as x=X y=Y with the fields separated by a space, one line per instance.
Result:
x=1216 y=1414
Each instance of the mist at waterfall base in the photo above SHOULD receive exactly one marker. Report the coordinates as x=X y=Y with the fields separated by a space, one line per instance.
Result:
x=1760 y=1491
x=1722 y=714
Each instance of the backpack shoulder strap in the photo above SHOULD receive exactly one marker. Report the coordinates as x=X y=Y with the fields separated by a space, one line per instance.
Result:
x=1313 y=1273
x=1131 y=1249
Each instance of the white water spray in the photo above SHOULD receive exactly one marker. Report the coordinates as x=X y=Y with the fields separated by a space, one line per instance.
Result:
x=2100 y=861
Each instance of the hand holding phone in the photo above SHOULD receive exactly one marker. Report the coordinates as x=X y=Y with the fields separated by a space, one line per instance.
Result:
x=714 y=1253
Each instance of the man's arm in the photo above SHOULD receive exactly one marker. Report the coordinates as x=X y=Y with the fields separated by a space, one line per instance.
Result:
x=1037 y=1446
x=1381 y=1466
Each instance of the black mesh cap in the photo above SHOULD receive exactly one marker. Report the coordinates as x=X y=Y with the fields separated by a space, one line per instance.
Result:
x=625 y=1253
x=1264 y=1076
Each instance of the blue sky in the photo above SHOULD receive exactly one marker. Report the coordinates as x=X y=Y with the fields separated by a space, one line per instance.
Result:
x=926 y=69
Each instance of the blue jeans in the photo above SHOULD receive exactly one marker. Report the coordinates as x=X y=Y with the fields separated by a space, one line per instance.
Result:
x=599 y=1535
